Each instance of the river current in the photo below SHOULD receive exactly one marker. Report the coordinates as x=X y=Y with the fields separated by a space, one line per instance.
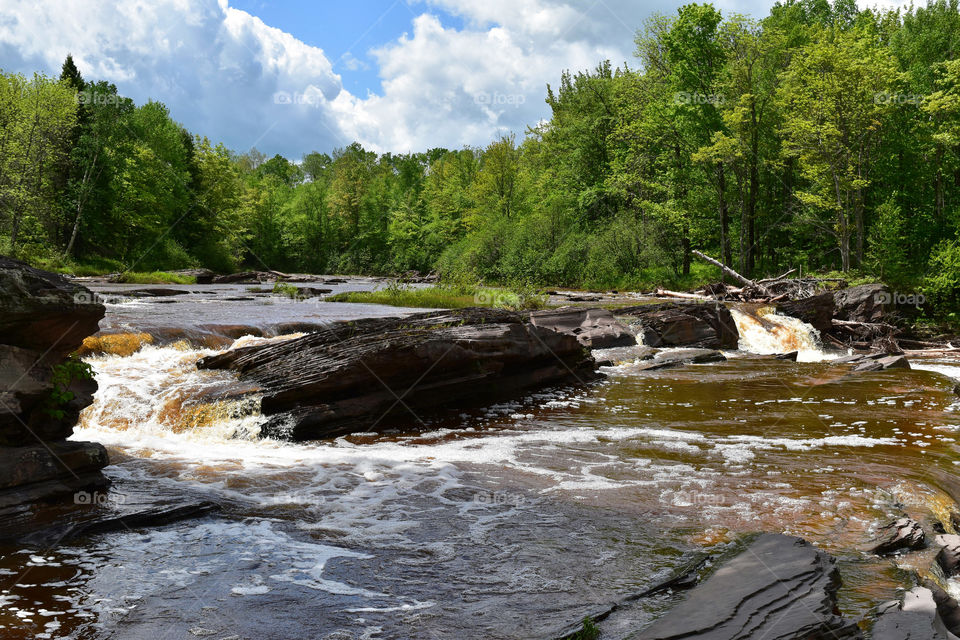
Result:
x=514 y=521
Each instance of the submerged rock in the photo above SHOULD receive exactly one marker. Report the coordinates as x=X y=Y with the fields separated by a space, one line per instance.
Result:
x=672 y=324
x=593 y=328
x=903 y=534
x=881 y=364
x=779 y=588
x=353 y=376
x=679 y=358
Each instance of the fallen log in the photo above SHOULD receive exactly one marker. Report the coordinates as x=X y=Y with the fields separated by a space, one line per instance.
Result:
x=684 y=296
x=780 y=277
x=733 y=274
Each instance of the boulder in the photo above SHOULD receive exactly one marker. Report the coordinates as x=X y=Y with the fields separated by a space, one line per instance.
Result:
x=593 y=328
x=779 y=588
x=679 y=358
x=902 y=534
x=863 y=303
x=815 y=310
x=44 y=312
x=883 y=363
x=354 y=376
x=791 y=355
x=695 y=324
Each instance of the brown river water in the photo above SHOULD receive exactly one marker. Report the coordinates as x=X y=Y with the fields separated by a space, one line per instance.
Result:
x=514 y=521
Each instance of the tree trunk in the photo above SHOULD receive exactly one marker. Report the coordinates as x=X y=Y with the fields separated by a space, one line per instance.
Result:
x=724 y=215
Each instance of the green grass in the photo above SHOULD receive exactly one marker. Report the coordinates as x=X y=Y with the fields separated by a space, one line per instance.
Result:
x=444 y=297
x=286 y=290
x=589 y=631
x=154 y=277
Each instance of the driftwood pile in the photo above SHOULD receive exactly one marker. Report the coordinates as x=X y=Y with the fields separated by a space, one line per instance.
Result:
x=857 y=317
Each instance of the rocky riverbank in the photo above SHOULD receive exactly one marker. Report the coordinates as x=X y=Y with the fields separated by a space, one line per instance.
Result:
x=43 y=319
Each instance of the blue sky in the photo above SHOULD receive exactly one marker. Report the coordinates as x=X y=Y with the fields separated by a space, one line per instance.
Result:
x=293 y=76
x=346 y=31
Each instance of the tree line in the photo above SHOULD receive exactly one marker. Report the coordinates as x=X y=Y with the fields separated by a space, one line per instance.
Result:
x=821 y=137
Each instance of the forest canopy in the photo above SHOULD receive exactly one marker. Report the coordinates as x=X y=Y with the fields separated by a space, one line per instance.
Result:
x=820 y=137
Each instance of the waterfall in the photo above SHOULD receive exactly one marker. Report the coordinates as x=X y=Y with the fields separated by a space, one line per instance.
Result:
x=762 y=330
x=158 y=391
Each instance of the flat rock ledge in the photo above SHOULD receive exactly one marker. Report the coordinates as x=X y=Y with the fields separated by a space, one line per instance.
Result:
x=779 y=588
x=356 y=376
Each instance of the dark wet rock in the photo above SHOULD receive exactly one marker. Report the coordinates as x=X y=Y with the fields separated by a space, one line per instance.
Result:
x=863 y=303
x=43 y=318
x=27 y=411
x=815 y=310
x=155 y=517
x=200 y=276
x=949 y=555
x=881 y=364
x=43 y=311
x=792 y=355
x=903 y=534
x=49 y=471
x=245 y=277
x=913 y=618
x=779 y=588
x=679 y=358
x=312 y=292
x=156 y=292
x=352 y=376
x=704 y=325
x=593 y=328
x=947 y=608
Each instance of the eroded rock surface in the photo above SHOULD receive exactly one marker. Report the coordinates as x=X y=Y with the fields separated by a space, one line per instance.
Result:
x=354 y=376
x=779 y=588
x=703 y=325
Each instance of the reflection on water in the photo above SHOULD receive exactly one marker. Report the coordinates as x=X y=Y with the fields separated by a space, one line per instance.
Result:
x=510 y=522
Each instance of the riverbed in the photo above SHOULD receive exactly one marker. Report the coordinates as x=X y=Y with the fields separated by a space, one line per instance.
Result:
x=514 y=521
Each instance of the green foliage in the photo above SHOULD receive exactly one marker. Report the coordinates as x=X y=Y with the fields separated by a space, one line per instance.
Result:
x=62 y=376
x=154 y=277
x=447 y=297
x=285 y=289
x=589 y=631
x=821 y=137
x=942 y=284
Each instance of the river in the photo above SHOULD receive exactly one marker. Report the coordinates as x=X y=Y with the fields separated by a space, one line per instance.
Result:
x=514 y=521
